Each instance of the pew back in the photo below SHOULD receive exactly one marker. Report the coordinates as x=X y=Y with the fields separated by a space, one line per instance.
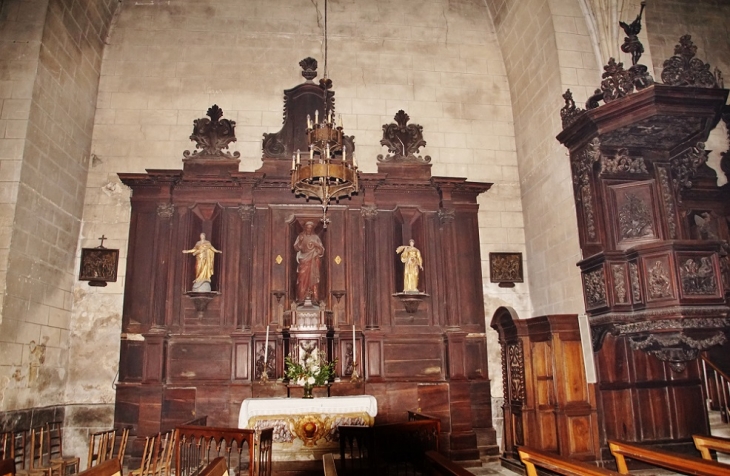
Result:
x=198 y=446
x=533 y=458
x=665 y=459
x=705 y=444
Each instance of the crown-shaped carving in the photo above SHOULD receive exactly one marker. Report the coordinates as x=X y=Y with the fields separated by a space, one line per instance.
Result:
x=403 y=140
x=683 y=69
x=212 y=136
x=309 y=68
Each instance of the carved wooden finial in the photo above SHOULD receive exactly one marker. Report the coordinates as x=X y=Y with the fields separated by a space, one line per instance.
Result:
x=212 y=136
x=403 y=140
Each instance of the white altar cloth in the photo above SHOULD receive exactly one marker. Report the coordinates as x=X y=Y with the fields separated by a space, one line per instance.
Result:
x=255 y=407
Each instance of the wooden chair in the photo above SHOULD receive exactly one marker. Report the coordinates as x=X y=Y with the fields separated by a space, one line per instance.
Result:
x=263 y=455
x=146 y=468
x=162 y=459
x=37 y=465
x=707 y=443
x=665 y=459
x=60 y=463
x=7 y=467
x=122 y=447
x=217 y=467
x=533 y=458
x=12 y=446
x=110 y=467
x=101 y=447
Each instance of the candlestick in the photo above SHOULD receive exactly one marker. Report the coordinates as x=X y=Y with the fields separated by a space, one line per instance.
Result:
x=354 y=347
x=266 y=347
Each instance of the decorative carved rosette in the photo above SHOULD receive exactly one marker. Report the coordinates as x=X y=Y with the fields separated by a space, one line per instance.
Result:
x=683 y=69
x=212 y=136
x=165 y=210
x=403 y=141
x=623 y=163
x=582 y=167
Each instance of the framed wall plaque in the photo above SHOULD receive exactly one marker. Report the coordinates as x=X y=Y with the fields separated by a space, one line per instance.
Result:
x=98 y=266
x=505 y=269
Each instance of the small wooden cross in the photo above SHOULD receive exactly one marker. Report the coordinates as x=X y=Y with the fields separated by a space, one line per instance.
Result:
x=102 y=241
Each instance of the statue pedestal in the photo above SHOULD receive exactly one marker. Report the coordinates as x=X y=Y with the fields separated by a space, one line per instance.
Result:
x=411 y=300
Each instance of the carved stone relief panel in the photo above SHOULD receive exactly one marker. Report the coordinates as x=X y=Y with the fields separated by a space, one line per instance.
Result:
x=594 y=288
x=634 y=218
x=698 y=275
x=658 y=278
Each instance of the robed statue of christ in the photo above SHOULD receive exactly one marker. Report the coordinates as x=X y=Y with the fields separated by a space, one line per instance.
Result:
x=309 y=260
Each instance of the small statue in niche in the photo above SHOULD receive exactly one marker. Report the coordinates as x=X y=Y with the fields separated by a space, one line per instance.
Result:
x=411 y=257
x=204 y=253
x=309 y=256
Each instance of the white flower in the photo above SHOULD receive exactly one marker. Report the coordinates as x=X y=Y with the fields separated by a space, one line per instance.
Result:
x=300 y=381
x=310 y=380
x=315 y=369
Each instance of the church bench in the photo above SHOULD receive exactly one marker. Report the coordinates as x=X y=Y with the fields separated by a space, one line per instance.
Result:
x=217 y=467
x=392 y=445
x=533 y=458
x=198 y=446
x=664 y=459
x=441 y=465
x=110 y=467
x=7 y=467
x=705 y=443
x=328 y=461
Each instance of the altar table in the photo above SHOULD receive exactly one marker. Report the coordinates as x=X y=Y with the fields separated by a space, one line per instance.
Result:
x=309 y=420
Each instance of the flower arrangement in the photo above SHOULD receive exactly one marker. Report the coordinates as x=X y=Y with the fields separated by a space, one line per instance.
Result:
x=314 y=370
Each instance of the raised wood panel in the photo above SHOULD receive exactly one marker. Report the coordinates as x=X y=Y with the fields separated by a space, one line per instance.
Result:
x=241 y=361
x=617 y=410
x=573 y=384
x=653 y=412
x=686 y=400
x=199 y=361
x=581 y=436
x=374 y=358
x=422 y=359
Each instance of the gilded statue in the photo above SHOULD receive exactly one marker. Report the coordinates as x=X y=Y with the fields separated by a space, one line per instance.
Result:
x=309 y=256
x=411 y=257
x=204 y=253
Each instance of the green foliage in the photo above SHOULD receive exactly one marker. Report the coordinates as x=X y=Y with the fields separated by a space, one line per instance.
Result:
x=313 y=371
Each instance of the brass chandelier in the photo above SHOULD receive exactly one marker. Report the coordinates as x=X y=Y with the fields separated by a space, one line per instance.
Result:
x=327 y=172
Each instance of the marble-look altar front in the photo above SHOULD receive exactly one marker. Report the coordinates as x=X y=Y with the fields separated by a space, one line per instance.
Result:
x=306 y=428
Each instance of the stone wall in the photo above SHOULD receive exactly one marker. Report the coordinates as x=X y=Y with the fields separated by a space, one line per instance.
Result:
x=50 y=59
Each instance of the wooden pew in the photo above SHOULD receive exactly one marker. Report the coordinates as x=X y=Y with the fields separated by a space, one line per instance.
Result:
x=665 y=459
x=110 y=467
x=7 y=467
x=198 y=446
x=217 y=467
x=533 y=458
x=706 y=443
x=364 y=449
x=439 y=465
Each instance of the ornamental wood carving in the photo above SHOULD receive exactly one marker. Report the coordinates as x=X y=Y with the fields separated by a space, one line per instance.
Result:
x=212 y=136
x=403 y=140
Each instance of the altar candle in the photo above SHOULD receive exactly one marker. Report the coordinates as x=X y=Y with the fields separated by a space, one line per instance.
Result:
x=344 y=153
x=266 y=346
x=316 y=116
x=309 y=122
x=293 y=161
x=311 y=153
x=354 y=345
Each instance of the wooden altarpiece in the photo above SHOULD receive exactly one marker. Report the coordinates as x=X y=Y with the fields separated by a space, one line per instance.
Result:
x=653 y=228
x=185 y=354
